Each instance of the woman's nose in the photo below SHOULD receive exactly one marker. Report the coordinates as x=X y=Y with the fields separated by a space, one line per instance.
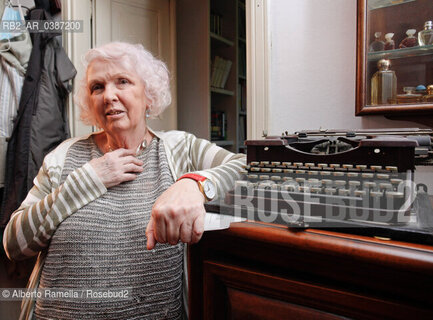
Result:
x=110 y=93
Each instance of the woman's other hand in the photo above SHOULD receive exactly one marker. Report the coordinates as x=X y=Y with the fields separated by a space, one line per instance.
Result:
x=178 y=214
x=117 y=166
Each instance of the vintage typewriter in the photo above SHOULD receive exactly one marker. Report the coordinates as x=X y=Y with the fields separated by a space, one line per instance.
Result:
x=337 y=179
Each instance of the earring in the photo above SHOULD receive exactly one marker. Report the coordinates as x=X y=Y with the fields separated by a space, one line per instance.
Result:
x=147 y=113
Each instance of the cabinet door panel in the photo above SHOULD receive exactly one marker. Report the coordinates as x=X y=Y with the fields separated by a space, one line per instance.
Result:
x=233 y=292
x=243 y=305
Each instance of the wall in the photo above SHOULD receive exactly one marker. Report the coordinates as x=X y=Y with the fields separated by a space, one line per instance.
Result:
x=313 y=70
x=313 y=54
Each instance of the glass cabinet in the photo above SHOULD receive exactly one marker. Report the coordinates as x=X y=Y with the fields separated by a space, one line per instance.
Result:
x=395 y=59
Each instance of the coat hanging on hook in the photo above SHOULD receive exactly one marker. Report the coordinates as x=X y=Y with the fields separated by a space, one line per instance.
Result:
x=51 y=6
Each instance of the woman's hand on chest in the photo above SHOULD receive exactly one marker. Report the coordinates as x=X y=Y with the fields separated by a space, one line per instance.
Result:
x=117 y=166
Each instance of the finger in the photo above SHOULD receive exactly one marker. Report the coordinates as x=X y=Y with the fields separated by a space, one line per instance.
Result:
x=132 y=168
x=172 y=228
x=186 y=232
x=149 y=234
x=133 y=160
x=127 y=177
x=159 y=226
x=122 y=152
x=198 y=228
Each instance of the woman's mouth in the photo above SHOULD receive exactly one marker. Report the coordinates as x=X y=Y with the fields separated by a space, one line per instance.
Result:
x=113 y=114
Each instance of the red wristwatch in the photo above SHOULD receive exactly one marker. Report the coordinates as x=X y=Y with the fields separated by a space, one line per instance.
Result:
x=206 y=186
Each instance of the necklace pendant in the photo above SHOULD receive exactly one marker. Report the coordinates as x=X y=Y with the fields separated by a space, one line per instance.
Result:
x=141 y=147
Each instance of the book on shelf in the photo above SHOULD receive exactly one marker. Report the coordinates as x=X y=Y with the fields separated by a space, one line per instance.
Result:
x=242 y=60
x=242 y=96
x=218 y=125
x=220 y=72
x=226 y=72
x=242 y=132
x=216 y=23
x=214 y=71
x=241 y=23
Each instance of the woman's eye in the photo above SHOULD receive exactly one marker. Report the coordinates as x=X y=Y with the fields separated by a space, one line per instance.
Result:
x=95 y=87
x=123 y=81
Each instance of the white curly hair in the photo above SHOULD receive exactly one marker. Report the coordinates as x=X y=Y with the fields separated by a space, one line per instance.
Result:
x=134 y=58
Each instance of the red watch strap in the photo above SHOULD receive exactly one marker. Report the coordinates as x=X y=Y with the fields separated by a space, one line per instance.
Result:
x=193 y=176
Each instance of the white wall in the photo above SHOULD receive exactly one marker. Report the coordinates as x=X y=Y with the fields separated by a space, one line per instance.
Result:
x=313 y=68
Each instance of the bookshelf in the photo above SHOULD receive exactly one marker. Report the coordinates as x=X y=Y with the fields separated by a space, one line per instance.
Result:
x=211 y=70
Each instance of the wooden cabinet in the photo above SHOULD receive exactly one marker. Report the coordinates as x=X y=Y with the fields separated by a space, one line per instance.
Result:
x=207 y=32
x=262 y=271
x=413 y=66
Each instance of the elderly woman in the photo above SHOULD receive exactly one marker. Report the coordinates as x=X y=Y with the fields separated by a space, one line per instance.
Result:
x=113 y=209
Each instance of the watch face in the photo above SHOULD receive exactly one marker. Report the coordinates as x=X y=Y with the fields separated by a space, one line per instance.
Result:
x=209 y=189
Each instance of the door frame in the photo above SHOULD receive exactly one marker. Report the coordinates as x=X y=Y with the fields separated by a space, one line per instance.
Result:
x=258 y=67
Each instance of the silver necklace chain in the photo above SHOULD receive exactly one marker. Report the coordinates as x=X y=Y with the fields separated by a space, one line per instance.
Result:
x=141 y=146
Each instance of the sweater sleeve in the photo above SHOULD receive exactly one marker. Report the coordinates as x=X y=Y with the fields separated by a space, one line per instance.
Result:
x=218 y=164
x=48 y=204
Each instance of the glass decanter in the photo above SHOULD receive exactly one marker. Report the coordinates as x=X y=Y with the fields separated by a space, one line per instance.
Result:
x=383 y=84
x=389 y=43
x=425 y=37
x=377 y=44
x=410 y=40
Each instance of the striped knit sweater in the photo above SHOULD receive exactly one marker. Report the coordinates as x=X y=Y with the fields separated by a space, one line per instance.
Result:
x=103 y=245
x=50 y=202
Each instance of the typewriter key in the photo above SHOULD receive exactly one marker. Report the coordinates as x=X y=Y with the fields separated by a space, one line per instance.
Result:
x=353 y=174
x=391 y=168
x=360 y=193
x=330 y=190
x=344 y=192
x=386 y=186
x=354 y=183
x=396 y=181
x=394 y=195
x=369 y=184
x=382 y=176
x=340 y=183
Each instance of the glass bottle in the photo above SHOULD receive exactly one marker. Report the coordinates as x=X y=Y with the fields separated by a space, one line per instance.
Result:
x=421 y=89
x=409 y=96
x=410 y=40
x=383 y=84
x=377 y=44
x=429 y=96
x=389 y=43
x=425 y=37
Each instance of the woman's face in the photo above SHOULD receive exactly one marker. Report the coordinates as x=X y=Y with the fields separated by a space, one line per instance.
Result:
x=117 y=97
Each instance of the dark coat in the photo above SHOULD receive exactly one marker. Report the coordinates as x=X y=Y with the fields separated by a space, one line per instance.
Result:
x=42 y=121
